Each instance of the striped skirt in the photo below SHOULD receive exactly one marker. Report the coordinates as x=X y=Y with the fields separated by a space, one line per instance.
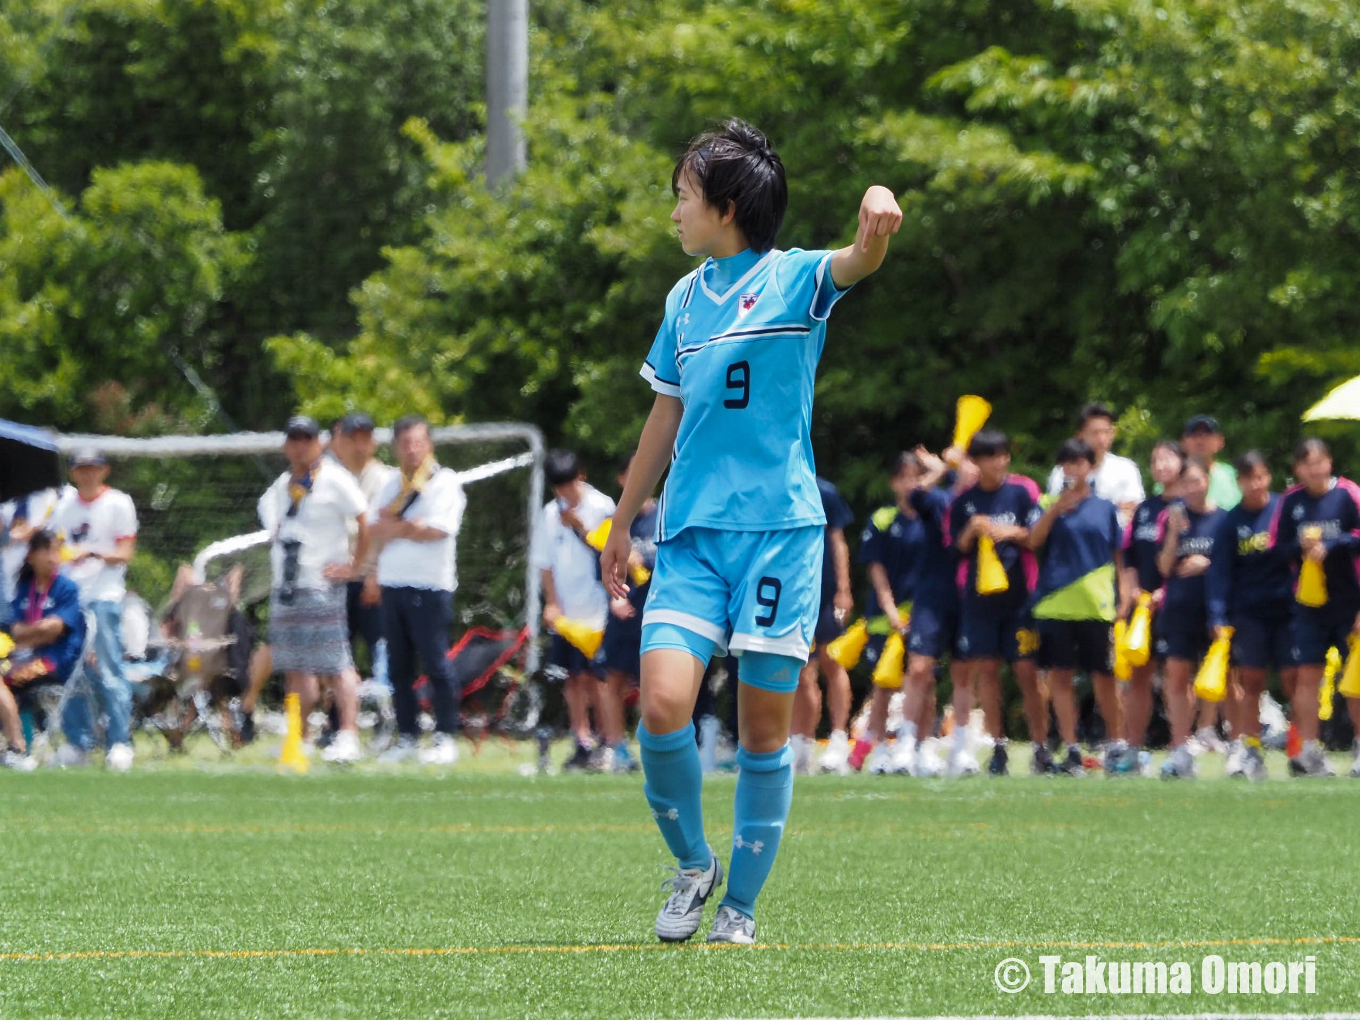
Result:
x=311 y=634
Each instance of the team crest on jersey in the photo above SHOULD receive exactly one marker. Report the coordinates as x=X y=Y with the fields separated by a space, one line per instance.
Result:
x=1298 y=511
x=747 y=302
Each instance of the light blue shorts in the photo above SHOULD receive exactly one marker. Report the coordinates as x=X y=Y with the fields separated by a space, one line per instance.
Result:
x=747 y=591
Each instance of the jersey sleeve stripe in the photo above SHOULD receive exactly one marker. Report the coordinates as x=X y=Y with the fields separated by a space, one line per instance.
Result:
x=662 y=386
x=826 y=293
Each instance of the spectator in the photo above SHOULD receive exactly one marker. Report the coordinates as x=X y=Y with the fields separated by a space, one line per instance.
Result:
x=309 y=511
x=416 y=517
x=622 y=647
x=98 y=526
x=1203 y=440
x=353 y=445
x=1113 y=478
x=21 y=518
x=570 y=572
x=48 y=633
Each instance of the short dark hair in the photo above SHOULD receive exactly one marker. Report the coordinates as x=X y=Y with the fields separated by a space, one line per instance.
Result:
x=1250 y=461
x=561 y=467
x=736 y=164
x=1310 y=446
x=1194 y=462
x=39 y=540
x=1170 y=444
x=407 y=422
x=1095 y=409
x=1074 y=450
x=989 y=443
x=906 y=461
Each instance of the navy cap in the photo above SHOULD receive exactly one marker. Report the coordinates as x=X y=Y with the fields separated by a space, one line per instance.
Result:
x=88 y=457
x=302 y=425
x=1202 y=423
x=356 y=421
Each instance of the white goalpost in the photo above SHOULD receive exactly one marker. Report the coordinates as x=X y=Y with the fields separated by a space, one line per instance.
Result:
x=196 y=496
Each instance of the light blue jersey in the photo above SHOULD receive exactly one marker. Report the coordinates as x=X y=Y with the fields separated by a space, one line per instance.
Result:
x=739 y=346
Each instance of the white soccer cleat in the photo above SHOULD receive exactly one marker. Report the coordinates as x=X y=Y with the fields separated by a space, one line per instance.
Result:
x=836 y=757
x=733 y=926
x=689 y=890
x=904 y=756
x=19 y=761
x=404 y=750
x=928 y=764
x=69 y=756
x=119 y=757
x=802 y=754
x=962 y=763
x=1207 y=740
x=1236 y=764
x=344 y=749
x=443 y=750
x=879 y=761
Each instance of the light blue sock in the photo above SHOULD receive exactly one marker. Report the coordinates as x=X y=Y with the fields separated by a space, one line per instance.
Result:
x=764 y=792
x=674 y=782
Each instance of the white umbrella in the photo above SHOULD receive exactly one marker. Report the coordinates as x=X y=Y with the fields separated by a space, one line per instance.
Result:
x=1341 y=402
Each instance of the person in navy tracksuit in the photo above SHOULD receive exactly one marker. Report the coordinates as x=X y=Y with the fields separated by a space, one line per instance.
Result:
x=1250 y=590
x=1319 y=519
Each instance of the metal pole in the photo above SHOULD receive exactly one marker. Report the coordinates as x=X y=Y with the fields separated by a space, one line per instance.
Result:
x=507 y=87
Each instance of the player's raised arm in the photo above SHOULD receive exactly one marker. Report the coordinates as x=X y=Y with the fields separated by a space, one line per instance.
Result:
x=879 y=218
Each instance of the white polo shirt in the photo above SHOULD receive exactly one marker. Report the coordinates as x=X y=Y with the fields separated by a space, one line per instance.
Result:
x=321 y=523
x=98 y=525
x=430 y=565
x=575 y=566
x=1117 y=480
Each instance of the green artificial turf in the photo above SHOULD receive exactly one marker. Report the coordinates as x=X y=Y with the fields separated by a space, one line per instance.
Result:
x=890 y=896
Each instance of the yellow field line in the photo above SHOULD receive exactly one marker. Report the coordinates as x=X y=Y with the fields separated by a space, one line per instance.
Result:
x=242 y=954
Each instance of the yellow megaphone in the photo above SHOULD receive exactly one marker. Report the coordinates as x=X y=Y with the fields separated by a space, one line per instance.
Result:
x=970 y=415
x=1138 y=637
x=888 y=672
x=1327 y=689
x=991 y=575
x=1350 y=679
x=585 y=639
x=1312 y=587
x=598 y=537
x=1123 y=668
x=847 y=649
x=1211 y=682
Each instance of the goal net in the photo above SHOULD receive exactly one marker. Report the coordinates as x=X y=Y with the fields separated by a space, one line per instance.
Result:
x=196 y=504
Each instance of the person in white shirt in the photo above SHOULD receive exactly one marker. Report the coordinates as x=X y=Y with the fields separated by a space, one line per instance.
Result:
x=415 y=519
x=1116 y=479
x=98 y=528
x=572 y=590
x=353 y=445
x=309 y=511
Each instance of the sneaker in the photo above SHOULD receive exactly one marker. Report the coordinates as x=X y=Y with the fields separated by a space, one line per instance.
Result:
x=119 y=757
x=1000 y=763
x=580 y=758
x=1311 y=762
x=880 y=761
x=1180 y=764
x=1209 y=740
x=1123 y=760
x=904 y=755
x=733 y=926
x=247 y=728
x=405 y=749
x=343 y=749
x=69 y=756
x=927 y=766
x=1253 y=763
x=1042 y=762
x=689 y=890
x=1355 y=765
x=962 y=763
x=1235 y=768
x=802 y=754
x=624 y=762
x=1115 y=753
x=19 y=761
x=1072 y=764
x=601 y=759
x=443 y=750
x=836 y=757
x=860 y=752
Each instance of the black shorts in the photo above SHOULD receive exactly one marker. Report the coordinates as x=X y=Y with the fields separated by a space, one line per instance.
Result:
x=566 y=660
x=622 y=647
x=1075 y=644
x=828 y=627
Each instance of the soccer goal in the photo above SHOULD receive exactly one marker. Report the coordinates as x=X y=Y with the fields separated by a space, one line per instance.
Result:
x=196 y=503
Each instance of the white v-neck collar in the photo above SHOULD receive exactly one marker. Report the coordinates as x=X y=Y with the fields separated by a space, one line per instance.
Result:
x=739 y=284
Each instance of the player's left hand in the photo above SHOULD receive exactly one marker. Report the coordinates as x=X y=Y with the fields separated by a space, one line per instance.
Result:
x=879 y=216
x=614 y=562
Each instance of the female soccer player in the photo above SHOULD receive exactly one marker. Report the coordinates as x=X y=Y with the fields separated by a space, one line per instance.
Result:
x=1141 y=575
x=1319 y=520
x=1078 y=540
x=1189 y=527
x=740 y=535
x=1251 y=590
